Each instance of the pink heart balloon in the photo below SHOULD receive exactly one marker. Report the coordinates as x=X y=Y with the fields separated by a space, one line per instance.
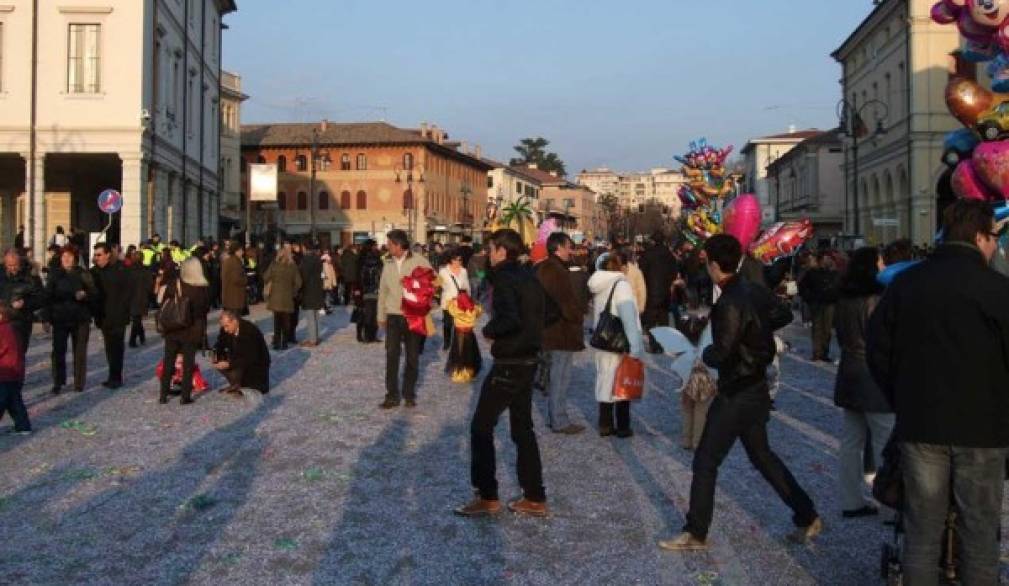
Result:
x=991 y=162
x=967 y=184
x=741 y=218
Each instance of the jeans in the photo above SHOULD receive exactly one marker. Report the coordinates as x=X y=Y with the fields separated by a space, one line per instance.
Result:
x=137 y=331
x=11 y=402
x=78 y=334
x=506 y=387
x=172 y=349
x=115 y=350
x=852 y=452
x=743 y=416
x=975 y=477
x=557 y=397
x=397 y=337
x=823 y=322
x=312 y=321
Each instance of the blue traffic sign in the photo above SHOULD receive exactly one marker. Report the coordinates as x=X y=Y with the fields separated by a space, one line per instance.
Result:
x=110 y=201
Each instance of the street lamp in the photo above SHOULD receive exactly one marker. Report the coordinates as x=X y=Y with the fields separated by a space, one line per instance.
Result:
x=851 y=125
x=404 y=174
x=311 y=180
x=466 y=215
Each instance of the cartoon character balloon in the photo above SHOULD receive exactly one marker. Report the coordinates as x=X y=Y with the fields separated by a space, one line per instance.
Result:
x=781 y=240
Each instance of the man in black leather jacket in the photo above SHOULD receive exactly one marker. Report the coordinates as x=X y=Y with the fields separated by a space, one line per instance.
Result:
x=743 y=323
x=516 y=329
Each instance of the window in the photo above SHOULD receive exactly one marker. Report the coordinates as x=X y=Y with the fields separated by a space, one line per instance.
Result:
x=302 y=200
x=345 y=200
x=83 y=60
x=362 y=162
x=408 y=200
x=282 y=163
x=301 y=162
x=345 y=162
x=362 y=200
x=282 y=200
x=173 y=104
x=408 y=161
x=323 y=200
x=490 y=181
x=518 y=187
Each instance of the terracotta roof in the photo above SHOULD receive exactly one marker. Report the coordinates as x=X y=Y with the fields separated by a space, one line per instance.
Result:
x=798 y=135
x=829 y=137
x=521 y=171
x=540 y=175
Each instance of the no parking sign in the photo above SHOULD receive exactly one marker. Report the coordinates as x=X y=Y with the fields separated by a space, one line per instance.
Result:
x=110 y=201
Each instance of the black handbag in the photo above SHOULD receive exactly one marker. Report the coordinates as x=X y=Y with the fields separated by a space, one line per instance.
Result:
x=609 y=334
x=176 y=312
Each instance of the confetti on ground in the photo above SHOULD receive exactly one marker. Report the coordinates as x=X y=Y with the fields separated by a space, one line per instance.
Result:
x=82 y=474
x=313 y=474
x=286 y=544
x=85 y=429
x=707 y=579
x=198 y=503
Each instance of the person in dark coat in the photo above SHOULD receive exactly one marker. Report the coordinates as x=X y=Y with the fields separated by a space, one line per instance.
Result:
x=865 y=407
x=23 y=294
x=369 y=278
x=111 y=309
x=818 y=288
x=191 y=284
x=142 y=279
x=70 y=291
x=313 y=294
x=12 y=374
x=938 y=347
x=234 y=280
x=241 y=355
x=660 y=268
x=563 y=334
x=349 y=270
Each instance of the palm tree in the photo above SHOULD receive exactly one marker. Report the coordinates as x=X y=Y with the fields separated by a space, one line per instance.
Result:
x=518 y=214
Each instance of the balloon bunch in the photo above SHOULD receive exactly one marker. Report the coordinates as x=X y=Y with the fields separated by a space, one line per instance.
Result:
x=538 y=252
x=984 y=25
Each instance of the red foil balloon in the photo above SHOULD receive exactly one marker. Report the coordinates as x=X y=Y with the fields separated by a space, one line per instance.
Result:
x=780 y=240
x=741 y=218
x=967 y=184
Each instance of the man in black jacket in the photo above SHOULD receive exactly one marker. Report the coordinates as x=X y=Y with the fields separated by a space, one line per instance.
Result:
x=818 y=288
x=241 y=355
x=938 y=346
x=312 y=292
x=112 y=309
x=743 y=324
x=516 y=329
x=659 y=266
x=23 y=293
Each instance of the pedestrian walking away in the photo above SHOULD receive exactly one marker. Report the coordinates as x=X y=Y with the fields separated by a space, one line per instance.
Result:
x=312 y=292
x=191 y=288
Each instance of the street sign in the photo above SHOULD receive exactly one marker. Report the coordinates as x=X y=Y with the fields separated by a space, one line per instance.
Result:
x=885 y=222
x=110 y=201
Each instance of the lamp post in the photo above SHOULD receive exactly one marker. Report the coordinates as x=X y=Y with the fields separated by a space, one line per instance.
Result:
x=851 y=125
x=466 y=192
x=568 y=204
x=405 y=175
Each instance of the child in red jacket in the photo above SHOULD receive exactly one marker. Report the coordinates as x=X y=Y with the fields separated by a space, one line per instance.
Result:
x=12 y=374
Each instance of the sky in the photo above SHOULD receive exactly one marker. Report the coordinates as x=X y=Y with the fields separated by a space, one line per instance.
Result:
x=625 y=85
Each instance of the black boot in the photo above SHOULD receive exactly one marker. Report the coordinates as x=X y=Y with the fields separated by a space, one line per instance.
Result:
x=623 y=410
x=605 y=419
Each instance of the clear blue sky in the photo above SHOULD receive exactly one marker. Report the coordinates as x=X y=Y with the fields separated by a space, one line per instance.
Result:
x=621 y=84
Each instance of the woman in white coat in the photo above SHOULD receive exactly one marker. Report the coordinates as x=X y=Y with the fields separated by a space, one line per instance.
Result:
x=454 y=278
x=608 y=277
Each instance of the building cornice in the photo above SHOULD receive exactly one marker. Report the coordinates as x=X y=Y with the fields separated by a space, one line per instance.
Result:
x=85 y=9
x=881 y=12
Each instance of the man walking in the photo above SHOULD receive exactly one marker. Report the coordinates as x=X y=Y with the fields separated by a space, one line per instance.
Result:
x=313 y=296
x=818 y=288
x=398 y=337
x=349 y=271
x=23 y=294
x=562 y=334
x=743 y=323
x=112 y=309
x=516 y=331
x=938 y=346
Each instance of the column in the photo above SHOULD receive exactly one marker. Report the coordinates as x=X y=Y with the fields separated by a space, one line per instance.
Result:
x=133 y=217
x=161 y=195
x=35 y=220
x=191 y=210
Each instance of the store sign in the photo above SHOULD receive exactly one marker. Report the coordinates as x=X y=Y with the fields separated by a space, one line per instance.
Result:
x=262 y=183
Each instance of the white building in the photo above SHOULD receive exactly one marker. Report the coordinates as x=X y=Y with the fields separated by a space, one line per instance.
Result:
x=636 y=189
x=508 y=184
x=232 y=207
x=807 y=182
x=124 y=95
x=761 y=152
x=602 y=181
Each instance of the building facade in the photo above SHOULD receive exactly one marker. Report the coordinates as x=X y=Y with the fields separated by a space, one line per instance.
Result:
x=574 y=206
x=761 y=152
x=634 y=190
x=506 y=184
x=807 y=182
x=370 y=178
x=895 y=66
x=602 y=181
x=232 y=205
x=124 y=96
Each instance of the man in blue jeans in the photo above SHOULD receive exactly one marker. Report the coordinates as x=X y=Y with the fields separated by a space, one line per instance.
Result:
x=938 y=346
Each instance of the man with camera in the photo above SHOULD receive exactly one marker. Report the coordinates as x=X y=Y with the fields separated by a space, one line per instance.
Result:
x=241 y=355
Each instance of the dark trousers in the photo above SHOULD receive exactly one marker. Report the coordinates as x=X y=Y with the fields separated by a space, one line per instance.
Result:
x=11 y=402
x=115 y=349
x=743 y=416
x=823 y=323
x=172 y=349
x=398 y=337
x=137 y=332
x=292 y=326
x=233 y=376
x=975 y=478
x=78 y=335
x=506 y=387
x=447 y=327
x=23 y=330
x=281 y=328
x=348 y=291
x=367 y=326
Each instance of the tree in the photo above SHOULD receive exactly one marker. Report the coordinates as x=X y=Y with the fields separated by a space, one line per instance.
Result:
x=518 y=215
x=533 y=151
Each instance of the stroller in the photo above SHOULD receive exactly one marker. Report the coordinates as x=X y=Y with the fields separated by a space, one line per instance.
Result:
x=888 y=489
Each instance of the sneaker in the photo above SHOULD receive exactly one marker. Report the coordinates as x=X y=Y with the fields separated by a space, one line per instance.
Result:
x=524 y=506
x=684 y=542
x=479 y=507
x=805 y=535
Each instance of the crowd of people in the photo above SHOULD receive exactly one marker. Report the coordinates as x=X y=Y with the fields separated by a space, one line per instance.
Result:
x=923 y=338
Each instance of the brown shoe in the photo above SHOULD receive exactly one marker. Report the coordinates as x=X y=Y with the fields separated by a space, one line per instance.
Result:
x=806 y=535
x=307 y=344
x=684 y=542
x=524 y=506
x=479 y=507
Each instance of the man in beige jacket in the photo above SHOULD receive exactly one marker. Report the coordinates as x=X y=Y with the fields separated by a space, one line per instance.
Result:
x=401 y=262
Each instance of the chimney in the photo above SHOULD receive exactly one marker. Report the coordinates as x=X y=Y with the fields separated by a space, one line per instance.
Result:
x=478 y=152
x=324 y=125
x=423 y=129
x=792 y=129
x=464 y=147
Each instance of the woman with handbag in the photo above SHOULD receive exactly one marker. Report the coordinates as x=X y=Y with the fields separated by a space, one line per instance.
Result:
x=184 y=301
x=283 y=281
x=616 y=335
x=454 y=279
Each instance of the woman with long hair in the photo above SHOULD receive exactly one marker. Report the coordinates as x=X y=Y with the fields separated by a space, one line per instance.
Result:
x=282 y=283
x=866 y=410
x=190 y=285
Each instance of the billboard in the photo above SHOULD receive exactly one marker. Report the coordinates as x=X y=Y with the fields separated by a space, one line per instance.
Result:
x=262 y=183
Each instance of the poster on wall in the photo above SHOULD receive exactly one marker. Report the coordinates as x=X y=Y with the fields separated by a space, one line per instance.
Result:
x=262 y=182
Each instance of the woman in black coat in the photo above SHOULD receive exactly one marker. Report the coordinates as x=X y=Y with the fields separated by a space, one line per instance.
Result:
x=192 y=285
x=142 y=281
x=70 y=290
x=866 y=410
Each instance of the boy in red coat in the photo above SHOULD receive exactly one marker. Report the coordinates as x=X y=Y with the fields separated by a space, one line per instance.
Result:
x=12 y=374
